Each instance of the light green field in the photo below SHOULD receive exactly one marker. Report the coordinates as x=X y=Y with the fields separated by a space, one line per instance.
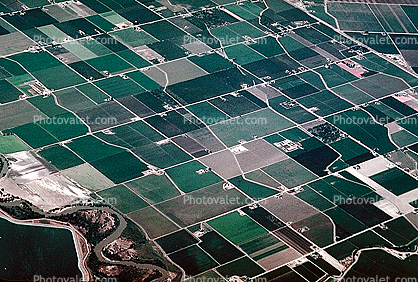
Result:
x=155 y=188
x=258 y=123
x=11 y=144
x=123 y=199
x=289 y=173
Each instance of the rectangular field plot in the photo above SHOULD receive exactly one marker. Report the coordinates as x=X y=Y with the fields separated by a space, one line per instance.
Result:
x=320 y=229
x=92 y=149
x=192 y=176
x=349 y=149
x=185 y=211
x=120 y=167
x=11 y=144
x=193 y=260
x=375 y=63
x=289 y=208
x=354 y=16
x=396 y=181
x=88 y=177
x=248 y=126
x=176 y=241
x=241 y=267
x=210 y=85
x=335 y=75
x=334 y=188
x=399 y=231
x=122 y=199
x=155 y=188
x=154 y=223
x=60 y=157
x=33 y=135
x=219 y=248
x=289 y=173
x=346 y=225
x=309 y=271
x=254 y=190
x=315 y=199
x=291 y=109
x=141 y=139
x=326 y=102
x=263 y=247
x=380 y=85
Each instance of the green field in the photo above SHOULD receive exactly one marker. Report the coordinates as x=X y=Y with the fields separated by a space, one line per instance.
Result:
x=60 y=157
x=154 y=188
x=289 y=173
x=122 y=199
x=259 y=123
x=11 y=144
x=396 y=181
x=187 y=179
x=361 y=126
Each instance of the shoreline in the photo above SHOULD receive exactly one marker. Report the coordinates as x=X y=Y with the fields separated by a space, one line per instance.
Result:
x=81 y=245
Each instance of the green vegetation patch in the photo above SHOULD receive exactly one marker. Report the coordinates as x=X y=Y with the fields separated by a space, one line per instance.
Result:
x=11 y=144
x=122 y=198
x=8 y=92
x=211 y=62
x=315 y=199
x=120 y=167
x=92 y=149
x=396 y=181
x=192 y=176
x=241 y=267
x=111 y=63
x=289 y=173
x=33 y=135
x=176 y=241
x=371 y=134
x=60 y=157
x=193 y=260
x=155 y=188
x=259 y=123
x=252 y=189
x=153 y=222
x=118 y=87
